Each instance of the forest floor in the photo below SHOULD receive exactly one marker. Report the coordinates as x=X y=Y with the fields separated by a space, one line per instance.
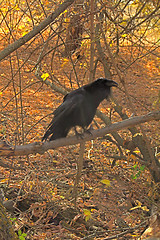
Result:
x=43 y=185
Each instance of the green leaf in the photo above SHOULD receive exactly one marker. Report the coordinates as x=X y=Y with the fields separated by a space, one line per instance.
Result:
x=19 y=232
x=135 y=166
x=21 y=238
x=142 y=168
x=13 y=219
x=24 y=234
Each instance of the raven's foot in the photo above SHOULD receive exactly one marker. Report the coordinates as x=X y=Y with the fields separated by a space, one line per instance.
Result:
x=78 y=135
x=88 y=131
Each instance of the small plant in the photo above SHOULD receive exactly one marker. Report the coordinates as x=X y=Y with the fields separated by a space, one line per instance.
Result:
x=12 y=219
x=22 y=236
x=137 y=171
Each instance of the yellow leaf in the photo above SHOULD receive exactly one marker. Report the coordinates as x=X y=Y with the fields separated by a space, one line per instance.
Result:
x=67 y=20
x=87 y=218
x=137 y=151
x=62 y=197
x=158 y=154
x=44 y=76
x=144 y=208
x=133 y=157
x=131 y=209
x=111 y=44
x=93 y=210
x=137 y=134
x=4 y=180
x=24 y=33
x=138 y=203
x=65 y=60
x=86 y=212
x=124 y=23
x=106 y=182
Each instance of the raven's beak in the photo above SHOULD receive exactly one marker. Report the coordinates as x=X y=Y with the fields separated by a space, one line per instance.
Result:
x=114 y=84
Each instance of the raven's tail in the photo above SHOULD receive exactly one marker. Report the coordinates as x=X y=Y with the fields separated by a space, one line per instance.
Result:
x=55 y=131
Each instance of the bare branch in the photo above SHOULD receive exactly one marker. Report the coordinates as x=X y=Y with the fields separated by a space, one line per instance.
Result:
x=12 y=47
x=39 y=147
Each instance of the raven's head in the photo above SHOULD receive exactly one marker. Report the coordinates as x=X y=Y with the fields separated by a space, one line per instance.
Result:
x=101 y=85
x=107 y=83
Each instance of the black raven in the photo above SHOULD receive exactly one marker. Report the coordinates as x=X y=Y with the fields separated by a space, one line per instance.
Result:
x=78 y=108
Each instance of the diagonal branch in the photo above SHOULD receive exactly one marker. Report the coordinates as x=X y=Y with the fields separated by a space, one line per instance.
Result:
x=17 y=44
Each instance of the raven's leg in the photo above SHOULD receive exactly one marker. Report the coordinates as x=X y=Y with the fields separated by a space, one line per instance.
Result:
x=79 y=135
x=88 y=130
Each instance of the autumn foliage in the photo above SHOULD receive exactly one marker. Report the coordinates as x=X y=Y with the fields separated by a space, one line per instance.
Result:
x=120 y=175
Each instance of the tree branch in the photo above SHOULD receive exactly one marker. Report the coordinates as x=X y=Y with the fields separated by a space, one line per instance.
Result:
x=39 y=147
x=15 y=45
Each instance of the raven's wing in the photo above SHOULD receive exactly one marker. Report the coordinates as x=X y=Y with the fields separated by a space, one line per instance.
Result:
x=71 y=101
x=65 y=116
